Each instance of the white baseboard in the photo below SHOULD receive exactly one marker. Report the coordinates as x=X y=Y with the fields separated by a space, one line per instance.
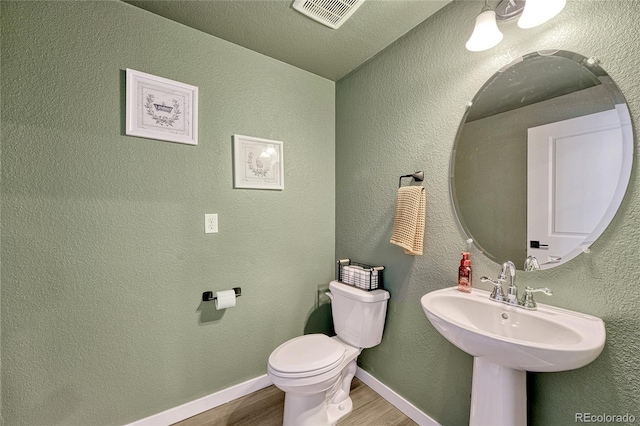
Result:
x=396 y=400
x=208 y=402
x=205 y=403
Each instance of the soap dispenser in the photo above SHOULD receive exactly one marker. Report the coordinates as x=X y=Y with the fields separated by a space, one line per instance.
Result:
x=464 y=273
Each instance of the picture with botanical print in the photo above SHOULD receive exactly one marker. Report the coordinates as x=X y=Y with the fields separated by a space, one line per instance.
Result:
x=158 y=108
x=258 y=163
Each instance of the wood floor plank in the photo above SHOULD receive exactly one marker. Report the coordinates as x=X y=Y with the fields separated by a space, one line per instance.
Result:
x=265 y=408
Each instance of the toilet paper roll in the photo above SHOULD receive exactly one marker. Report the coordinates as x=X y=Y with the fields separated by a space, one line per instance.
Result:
x=225 y=299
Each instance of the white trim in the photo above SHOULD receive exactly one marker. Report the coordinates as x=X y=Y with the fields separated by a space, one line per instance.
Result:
x=396 y=400
x=184 y=411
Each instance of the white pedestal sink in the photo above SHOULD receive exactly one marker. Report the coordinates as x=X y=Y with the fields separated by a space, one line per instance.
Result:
x=506 y=341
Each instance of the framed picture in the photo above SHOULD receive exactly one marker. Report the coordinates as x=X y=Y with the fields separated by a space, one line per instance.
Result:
x=257 y=163
x=158 y=108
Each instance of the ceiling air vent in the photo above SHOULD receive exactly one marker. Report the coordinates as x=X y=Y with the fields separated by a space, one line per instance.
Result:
x=331 y=13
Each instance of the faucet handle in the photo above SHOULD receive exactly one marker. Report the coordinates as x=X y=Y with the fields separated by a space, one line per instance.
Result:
x=527 y=301
x=497 y=294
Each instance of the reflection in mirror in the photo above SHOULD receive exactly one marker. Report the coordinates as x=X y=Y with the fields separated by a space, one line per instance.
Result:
x=542 y=159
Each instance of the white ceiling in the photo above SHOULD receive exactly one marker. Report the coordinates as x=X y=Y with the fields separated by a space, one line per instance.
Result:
x=275 y=29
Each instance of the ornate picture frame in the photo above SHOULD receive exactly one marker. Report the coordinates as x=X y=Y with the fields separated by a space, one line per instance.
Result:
x=159 y=108
x=257 y=163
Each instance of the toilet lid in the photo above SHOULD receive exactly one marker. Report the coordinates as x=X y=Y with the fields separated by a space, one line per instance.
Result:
x=313 y=353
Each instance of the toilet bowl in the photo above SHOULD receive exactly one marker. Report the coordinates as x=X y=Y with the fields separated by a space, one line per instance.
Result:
x=315 y=371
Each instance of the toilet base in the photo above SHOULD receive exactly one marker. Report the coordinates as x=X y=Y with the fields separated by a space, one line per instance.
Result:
x=313 y=410
x=301 y=409
x=321 y=408
x=337 y=412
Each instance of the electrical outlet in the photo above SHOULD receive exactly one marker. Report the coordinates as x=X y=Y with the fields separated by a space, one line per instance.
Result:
x=210 y=223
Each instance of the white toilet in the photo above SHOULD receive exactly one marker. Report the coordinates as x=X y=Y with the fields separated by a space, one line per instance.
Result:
x=315 y=371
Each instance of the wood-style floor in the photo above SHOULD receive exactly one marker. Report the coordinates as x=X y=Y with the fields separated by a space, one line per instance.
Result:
x=265 y=408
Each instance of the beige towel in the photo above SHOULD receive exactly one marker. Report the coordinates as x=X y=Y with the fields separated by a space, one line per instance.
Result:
x=408 y=225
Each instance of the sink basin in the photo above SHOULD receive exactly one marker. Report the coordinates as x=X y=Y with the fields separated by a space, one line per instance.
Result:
x=548 y=339
x=506 y=341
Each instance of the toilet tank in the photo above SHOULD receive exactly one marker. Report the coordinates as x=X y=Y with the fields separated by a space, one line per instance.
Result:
x=358 y=315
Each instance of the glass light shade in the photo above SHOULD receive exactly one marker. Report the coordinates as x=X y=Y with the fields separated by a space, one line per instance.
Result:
x=486 y=33
x=537 y=12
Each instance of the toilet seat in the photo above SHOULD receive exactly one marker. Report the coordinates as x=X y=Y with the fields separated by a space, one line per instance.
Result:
x=306 y=356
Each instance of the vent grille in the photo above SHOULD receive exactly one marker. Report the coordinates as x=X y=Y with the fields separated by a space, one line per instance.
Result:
x=331 y=13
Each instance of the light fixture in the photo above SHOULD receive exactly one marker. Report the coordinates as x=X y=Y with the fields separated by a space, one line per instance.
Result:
x=537 y=12
x=486 y=33
x=532 y=13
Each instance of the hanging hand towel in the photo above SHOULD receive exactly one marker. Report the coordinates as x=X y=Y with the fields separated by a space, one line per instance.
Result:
x=408 y=225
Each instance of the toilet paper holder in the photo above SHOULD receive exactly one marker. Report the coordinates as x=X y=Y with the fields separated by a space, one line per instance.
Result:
x=208 y=296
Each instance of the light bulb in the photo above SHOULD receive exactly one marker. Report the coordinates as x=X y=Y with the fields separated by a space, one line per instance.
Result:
x=486 y=33
x=537 y=12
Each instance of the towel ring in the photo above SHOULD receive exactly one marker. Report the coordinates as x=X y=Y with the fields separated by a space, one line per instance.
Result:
x=417 y=176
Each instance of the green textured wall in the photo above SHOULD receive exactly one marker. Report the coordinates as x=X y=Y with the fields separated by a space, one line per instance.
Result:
x=399 y=113
x=104 y=256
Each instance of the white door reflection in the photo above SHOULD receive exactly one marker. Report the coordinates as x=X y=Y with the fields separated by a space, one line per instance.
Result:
x=573 y=172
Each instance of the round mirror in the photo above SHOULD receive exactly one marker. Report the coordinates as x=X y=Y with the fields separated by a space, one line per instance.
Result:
x=542 y=159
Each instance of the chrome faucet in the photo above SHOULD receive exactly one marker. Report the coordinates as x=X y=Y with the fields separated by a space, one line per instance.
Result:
x=498 y=293
x=531 y=264
x=511 y=298
x=512 y=290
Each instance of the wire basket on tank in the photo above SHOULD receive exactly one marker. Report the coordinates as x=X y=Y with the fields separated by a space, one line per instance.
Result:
x=360 y=275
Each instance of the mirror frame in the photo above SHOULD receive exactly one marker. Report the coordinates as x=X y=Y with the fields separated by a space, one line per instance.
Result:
x=626 y=166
